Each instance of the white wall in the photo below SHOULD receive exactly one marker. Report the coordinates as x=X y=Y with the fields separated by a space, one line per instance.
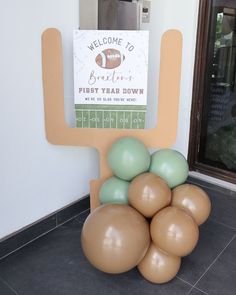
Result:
x=181 y=15
x=88 y=14
x=36 y=178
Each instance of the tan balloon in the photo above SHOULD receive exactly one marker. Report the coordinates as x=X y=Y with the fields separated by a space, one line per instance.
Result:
x=174 y=231
x=115 y=238
x=159 y=267
x=148 y=193
x=193 y=200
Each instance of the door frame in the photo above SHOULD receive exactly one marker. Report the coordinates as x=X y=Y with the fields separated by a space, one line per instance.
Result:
x=203 y=40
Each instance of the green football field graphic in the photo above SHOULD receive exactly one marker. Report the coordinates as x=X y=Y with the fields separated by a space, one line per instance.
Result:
x=110 y=116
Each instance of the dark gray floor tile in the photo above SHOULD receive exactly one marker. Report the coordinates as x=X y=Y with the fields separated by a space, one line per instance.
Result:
x=129 y=283
x=211 y=186
x=213 y=239
x=82 y=217
x=223 y=202
x=221 y=277
x=197 y=292
x=47 y=266
x=27 y=235
x=5 y=290
x=223 y=208
x=43 y=226
x=55 y=264
x=175 y=287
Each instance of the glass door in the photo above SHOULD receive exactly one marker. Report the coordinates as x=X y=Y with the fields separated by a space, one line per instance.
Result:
x=215 y=110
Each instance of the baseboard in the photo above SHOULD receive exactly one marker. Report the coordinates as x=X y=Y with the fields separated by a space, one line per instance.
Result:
x=33 y=231
x=37 y=229
x=212 y=180
x=209 y=185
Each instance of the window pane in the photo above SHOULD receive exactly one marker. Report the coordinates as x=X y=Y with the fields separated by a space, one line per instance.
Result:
x=218 y=134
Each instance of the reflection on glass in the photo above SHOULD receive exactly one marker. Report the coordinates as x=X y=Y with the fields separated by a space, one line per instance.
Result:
x=218 y=135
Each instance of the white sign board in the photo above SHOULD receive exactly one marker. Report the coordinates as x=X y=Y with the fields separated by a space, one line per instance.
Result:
x=110 y=78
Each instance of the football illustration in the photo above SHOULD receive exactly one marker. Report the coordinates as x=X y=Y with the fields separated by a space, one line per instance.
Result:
x=109 y=59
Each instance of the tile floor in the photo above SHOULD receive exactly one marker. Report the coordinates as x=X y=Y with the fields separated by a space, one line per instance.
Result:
x=55 y=265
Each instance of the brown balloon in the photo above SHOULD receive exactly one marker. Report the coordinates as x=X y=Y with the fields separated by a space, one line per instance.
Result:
x=159 y=267
x=115 y=238
x=148 y=193
x=174 y=231
x=193 y=200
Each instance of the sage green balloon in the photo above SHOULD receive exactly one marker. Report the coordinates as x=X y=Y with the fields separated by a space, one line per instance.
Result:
x=128 y=157
x=114 y=190
x=170 y=165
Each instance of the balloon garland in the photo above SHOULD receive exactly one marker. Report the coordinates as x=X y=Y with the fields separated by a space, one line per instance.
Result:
x=149 y=216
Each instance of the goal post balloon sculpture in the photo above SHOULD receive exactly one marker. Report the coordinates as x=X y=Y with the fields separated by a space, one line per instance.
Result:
x=117 y=236
x=59 y=133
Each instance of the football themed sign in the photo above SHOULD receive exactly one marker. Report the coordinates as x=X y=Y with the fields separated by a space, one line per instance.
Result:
x=110 y=78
